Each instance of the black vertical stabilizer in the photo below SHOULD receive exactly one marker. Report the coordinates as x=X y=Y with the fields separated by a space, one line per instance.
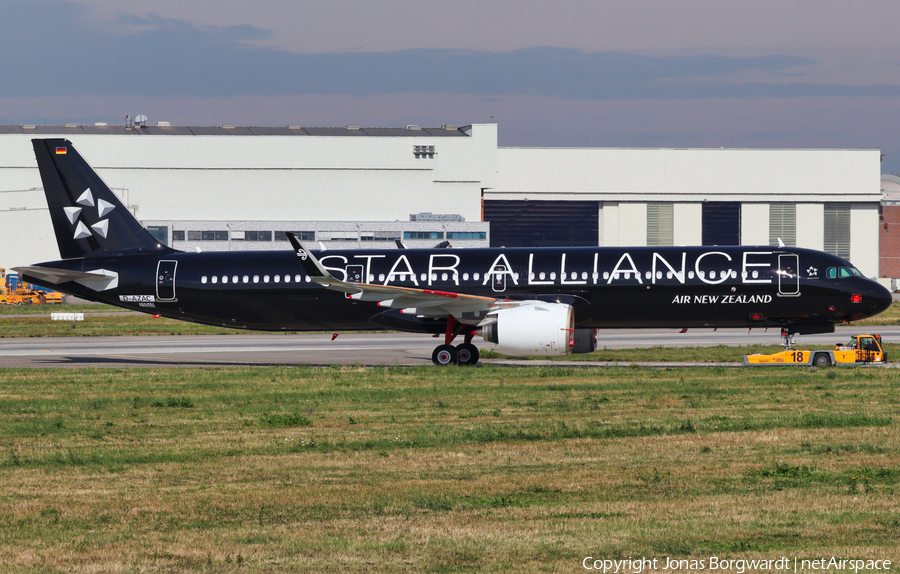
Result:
x=87 y=217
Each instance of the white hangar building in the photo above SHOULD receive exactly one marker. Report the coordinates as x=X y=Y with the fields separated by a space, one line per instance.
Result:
x=231 y=187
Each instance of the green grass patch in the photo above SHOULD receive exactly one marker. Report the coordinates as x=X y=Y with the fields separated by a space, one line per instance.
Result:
x=286 y=420
x=174 y=402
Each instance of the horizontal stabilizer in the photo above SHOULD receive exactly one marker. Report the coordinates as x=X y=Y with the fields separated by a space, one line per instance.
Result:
x=97 y=279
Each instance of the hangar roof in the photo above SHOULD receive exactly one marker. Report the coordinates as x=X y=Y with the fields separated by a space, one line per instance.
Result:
x=225 y=130
x=890 y=188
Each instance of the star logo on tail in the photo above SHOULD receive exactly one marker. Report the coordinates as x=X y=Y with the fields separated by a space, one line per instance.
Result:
x=75 y=215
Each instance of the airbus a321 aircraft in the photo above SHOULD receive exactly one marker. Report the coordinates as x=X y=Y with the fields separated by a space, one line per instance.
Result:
x=528 y=301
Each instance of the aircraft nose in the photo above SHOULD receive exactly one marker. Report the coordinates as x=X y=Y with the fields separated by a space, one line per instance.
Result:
x=879 y=298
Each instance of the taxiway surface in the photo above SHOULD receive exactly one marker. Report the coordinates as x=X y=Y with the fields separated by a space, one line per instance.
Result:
x=348 y=348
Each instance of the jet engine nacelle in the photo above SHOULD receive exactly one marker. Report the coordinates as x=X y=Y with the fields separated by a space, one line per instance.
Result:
x=585 y=341
x=533 y=329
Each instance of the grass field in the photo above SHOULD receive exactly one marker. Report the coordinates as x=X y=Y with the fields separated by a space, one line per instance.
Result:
x=107 y=324
x=442 y=470
x=46 y=309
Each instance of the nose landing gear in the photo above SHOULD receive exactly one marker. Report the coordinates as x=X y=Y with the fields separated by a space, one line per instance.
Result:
x=463 y=354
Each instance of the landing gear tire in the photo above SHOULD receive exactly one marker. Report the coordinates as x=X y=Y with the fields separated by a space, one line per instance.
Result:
x=822 y=360
x=444 y=355
x=468 y=354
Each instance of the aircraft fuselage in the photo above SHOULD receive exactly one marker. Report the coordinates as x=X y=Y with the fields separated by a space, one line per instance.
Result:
x=608 y=287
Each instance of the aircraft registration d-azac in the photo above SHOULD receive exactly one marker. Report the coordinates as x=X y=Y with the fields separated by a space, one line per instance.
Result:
x=528 y=301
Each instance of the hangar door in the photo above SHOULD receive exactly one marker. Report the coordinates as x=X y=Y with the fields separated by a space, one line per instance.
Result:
x=721 y=223
x=522 y=223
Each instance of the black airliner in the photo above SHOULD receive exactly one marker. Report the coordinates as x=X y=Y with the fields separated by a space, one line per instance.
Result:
x=528 y=301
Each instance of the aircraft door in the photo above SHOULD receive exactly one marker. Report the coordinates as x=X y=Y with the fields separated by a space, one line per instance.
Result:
x=788 y=274
x=165 y=280
x=498 y=278
x=355 y=274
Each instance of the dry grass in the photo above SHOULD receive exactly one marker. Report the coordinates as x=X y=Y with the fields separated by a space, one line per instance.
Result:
x=429 y=470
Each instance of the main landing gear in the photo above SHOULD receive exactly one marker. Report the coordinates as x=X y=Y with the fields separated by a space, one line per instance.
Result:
x=463 y=354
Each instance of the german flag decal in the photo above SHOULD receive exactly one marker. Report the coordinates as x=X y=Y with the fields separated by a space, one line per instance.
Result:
x=61 y=151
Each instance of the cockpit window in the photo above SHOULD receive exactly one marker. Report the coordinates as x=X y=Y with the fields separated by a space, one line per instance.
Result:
x=842 y=272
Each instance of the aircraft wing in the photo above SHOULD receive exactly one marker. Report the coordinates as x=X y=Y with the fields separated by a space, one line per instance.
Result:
x=428 y=302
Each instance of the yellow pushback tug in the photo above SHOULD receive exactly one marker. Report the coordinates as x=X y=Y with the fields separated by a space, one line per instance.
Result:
x=861 y=350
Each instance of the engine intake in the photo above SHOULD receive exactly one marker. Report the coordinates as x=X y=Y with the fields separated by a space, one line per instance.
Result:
x=533 y=329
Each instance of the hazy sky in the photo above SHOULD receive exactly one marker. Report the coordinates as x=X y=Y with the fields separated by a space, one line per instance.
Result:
x=682 y=73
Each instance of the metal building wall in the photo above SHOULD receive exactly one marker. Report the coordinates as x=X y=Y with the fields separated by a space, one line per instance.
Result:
x=688 y=175
x=265 y=177
x=168 y=174
x=623 y=180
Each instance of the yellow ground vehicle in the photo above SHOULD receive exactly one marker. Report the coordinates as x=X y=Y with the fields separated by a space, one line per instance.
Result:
x=53 y=298
x=25 y=293
x=4 y=292
x=861 y=350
